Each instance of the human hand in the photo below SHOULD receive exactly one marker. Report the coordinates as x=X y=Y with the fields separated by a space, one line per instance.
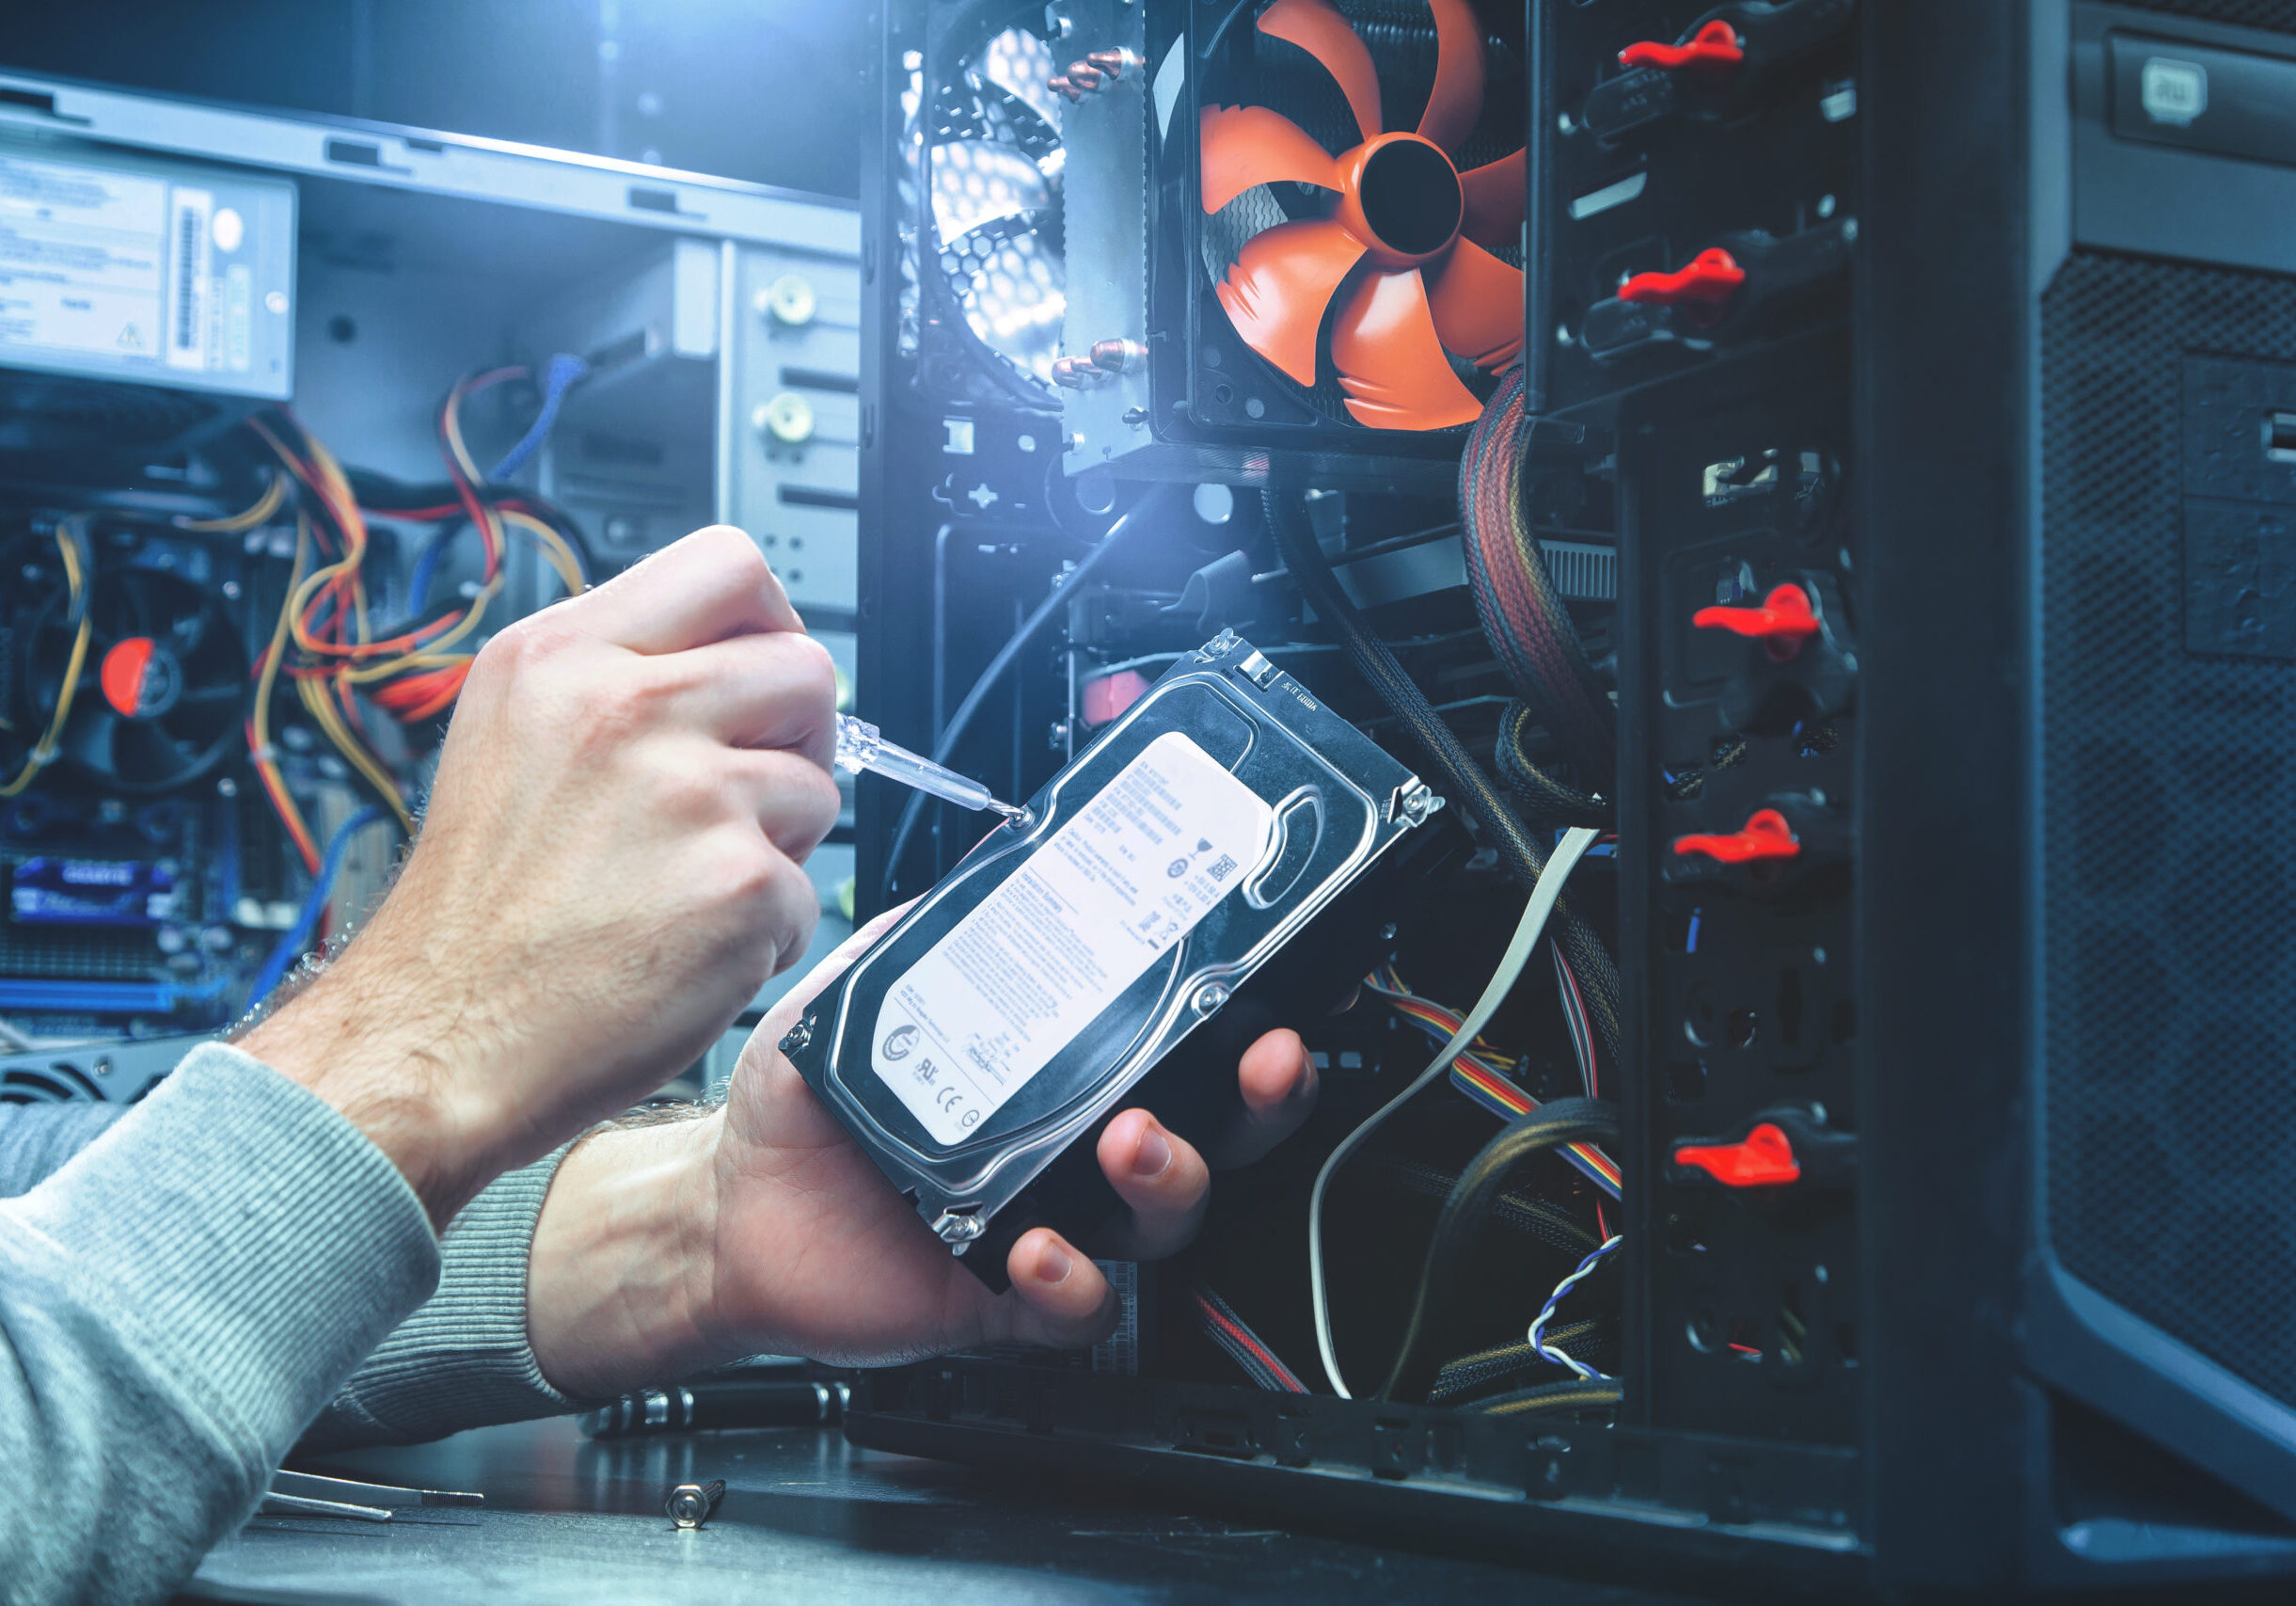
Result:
x=761 y=1228
x=607 y=871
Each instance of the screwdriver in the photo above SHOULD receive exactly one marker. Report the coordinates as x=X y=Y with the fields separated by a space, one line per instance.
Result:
x=859 y=747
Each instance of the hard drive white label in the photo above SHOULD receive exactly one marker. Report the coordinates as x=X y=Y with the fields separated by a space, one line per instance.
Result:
x=1035 y=963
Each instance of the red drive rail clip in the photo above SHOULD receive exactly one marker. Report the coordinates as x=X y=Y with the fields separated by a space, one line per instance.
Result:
x=1715 y=45
x=1707 y=281
x=1719 y=67
x=1781 y=1147
x=1740 y=284
x=1782 y=624
x=1766 y=835
x=1787 y=838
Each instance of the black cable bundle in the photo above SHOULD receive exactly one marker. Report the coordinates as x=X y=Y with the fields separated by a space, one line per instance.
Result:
x=1462 y=779
x=1515 y=598
x=1544 y=799
x=1550 y=1126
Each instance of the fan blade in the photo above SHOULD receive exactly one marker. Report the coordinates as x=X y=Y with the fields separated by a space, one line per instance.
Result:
x=1021 y=64
x=1478 y=305
x=147 y=756
x=1242 y=146
x=1317 y=28
x=186 y=632
x=90 y=739
x=978 y=180
x=1391 y=362
x=1494 y=201
x=1282 y=281
x=135 y=595
x=1456 y=100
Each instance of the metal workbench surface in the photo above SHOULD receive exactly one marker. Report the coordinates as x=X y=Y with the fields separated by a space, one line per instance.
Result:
x=805 y=1517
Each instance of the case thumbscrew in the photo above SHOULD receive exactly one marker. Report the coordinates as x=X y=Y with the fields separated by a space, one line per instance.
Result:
x=1412 y=805
x=954 y=1229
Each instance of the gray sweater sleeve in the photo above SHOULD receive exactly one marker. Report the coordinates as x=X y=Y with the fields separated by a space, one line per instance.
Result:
x=178 y=1300
x=461 y=1361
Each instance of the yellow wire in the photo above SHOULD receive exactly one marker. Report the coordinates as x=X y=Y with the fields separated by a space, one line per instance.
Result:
x=43 y=751
x=321 y=708
x=264 y=760
x=428 y=656
x=553 y=547
x=265 y=506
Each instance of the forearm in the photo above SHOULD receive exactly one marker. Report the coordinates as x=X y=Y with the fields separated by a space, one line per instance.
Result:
x=175 y=1302
x=575 y=1279
x=620 y=1284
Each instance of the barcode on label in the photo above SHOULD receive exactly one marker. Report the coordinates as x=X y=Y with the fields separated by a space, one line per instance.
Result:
x=189 y=304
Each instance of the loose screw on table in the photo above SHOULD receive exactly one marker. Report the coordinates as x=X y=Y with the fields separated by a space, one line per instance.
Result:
x=689 y=1506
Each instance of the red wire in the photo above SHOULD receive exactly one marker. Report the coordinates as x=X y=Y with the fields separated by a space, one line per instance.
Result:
x=1243 y=1336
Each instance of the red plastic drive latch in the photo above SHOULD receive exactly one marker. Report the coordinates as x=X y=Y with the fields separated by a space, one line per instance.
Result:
x=1716 y=45
x=1710 y=278
x=1766 y=1159
x=1766 y=836
x=1783 y=621
x=122 y=675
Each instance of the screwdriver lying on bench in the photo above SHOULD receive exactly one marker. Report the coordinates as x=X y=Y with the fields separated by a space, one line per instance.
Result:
x=859 y=747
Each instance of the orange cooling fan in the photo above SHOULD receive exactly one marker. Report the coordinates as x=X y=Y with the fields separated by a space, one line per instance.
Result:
x=1401 y=250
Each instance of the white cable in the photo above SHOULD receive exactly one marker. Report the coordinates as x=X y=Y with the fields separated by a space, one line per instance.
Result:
x=1547 y=1313
x=1544 y=897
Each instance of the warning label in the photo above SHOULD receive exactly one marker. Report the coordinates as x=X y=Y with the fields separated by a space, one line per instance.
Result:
x=1019 y=978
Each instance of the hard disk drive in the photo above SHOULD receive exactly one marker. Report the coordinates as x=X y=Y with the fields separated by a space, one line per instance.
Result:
x=1019 y=999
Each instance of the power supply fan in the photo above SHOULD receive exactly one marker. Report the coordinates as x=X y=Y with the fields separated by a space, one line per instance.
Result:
x=993 y=162
x=162 y=685
x=1400 y=252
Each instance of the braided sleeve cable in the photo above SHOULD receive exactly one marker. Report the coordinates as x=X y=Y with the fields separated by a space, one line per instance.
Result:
x=1464 y=779
x=1544 y=799
x=1515 y=598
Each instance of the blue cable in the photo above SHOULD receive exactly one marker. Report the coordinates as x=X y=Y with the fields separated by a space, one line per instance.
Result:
x=565 y=369
x=426 y=569
x=298 y=936
x=1547 y=1311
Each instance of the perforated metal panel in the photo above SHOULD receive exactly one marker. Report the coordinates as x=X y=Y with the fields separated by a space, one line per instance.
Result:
x=2169 y=828
x=2275 y=14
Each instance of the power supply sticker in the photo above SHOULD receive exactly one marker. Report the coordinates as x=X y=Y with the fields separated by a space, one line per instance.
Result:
x=1021 y=976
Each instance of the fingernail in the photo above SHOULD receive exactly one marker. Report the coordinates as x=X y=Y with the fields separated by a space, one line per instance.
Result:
x=1152 y=1156
x=1053 y=1264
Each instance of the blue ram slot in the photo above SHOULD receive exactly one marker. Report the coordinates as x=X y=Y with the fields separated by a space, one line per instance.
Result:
x=103 y=998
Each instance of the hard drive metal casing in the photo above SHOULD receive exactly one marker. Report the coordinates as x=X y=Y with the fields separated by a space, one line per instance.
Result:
x=1335 y=804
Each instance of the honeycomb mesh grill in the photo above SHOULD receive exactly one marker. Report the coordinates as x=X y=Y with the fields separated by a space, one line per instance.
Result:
x=2277 y=15
x=2170 y=842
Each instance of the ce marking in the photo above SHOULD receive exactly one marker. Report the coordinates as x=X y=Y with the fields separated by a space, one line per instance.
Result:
x=948 y=1099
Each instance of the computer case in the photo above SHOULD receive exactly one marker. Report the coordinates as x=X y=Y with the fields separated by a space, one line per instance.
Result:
x=173 y=266
x=2018 y=429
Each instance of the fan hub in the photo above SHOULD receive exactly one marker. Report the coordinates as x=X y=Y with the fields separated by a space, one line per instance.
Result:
x=141 y=679
x=1400 y=195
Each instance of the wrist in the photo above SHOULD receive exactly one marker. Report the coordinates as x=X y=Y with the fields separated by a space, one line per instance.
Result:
x=395 y=1082
x=621 y=1280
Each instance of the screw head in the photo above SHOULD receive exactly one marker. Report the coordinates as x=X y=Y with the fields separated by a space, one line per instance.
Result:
x=1209 y=996
x=799 y=1037
x=951 y=1228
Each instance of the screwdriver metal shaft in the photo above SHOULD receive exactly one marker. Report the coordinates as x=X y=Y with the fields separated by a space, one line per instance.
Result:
x=860 y=747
